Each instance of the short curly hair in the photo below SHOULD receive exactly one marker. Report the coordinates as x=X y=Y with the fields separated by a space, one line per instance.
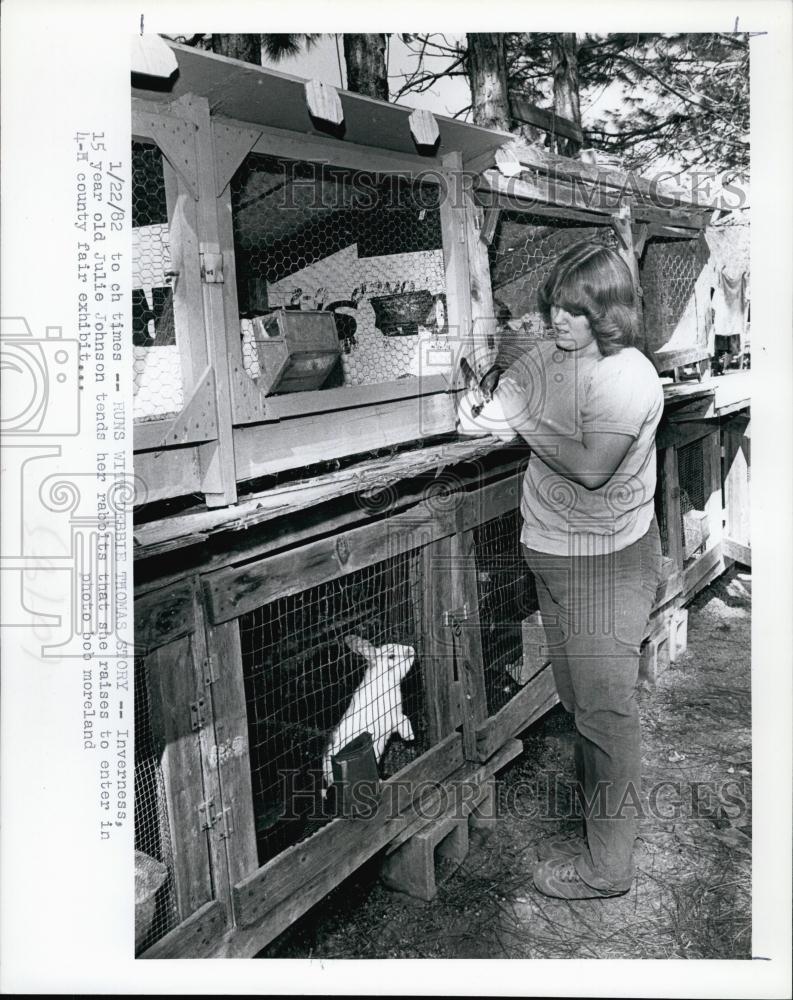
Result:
x=591 y=280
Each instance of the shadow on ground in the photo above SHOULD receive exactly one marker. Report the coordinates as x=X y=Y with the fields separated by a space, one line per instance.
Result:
x=692 y=894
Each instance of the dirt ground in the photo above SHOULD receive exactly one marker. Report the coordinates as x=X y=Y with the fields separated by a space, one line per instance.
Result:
x=692 y=894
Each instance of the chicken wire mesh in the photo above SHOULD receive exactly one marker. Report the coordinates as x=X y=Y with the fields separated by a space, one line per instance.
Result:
x=693 y=498
x=523 y=251
x=155 y=911
x=320 y=668
x=158 y=388
x=669 y=273
x=506 y=597
x=366 y=247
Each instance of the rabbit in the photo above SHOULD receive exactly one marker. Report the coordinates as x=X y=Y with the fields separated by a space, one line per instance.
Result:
x=483 y=388
x=376 y=705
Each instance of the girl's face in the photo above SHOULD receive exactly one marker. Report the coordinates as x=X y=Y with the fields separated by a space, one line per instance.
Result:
x=570 y=332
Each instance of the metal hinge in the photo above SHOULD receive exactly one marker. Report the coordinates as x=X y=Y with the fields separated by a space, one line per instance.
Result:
x=210 y=676
x=210 y=818
x=211 y=264
x=197 y=715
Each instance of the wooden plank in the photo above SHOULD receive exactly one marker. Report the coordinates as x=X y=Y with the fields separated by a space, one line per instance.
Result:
x=627 y=182
x=233 y=591
x=523 y=111
x=219 y=480
x=711 y=474
x=217 y=815
x=173 y=685
x=340 y=153
x=491 y=501
x=195 y=937
x=736 y=551
x=454 y=234
x=165 y=474
x=325 y=859
x=467 y=635
x=324 y=102
x=678 y=434
x=230 y=755
x=559 y=192
x=529 y=704
x=737 y=500
x=164 y=615
x=452 y=790
x=480 y=291
x=703 y=571
x=623 y=227
x=671 y=504
x=301 y=441
x=299 y=404
x=430 y=591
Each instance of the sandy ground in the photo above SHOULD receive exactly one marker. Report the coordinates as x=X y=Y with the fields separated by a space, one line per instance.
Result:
x=692 y=894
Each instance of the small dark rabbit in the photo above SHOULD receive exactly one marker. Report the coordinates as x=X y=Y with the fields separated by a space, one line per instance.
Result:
x=484 y=387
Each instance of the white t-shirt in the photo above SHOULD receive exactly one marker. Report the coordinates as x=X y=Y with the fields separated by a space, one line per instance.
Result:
x=584 y=391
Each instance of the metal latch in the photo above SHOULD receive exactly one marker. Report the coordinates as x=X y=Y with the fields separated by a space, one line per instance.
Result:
x=455 y=618
x=211 y=264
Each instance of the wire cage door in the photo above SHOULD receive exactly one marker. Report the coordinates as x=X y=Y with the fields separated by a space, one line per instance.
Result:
x=158 y=386
x=364 y=247
x=321 y=667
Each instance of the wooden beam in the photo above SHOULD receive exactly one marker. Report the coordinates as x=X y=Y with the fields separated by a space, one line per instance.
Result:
x=489 y=225
x=174 y=686
x=219 y=480
x=670 y=484
x=523 y=111
x=233 y=591
x=529 y=704
x=578 y=194
x=195 y=937
x=164 y=615
x=306 y=872
x=231 y=753
x=430 y=591
x=466 y=633
x=232 y=145
x=454 y=229
x=292 y=444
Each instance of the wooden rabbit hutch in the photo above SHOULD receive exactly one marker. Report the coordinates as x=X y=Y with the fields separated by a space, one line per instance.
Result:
x=309 y=266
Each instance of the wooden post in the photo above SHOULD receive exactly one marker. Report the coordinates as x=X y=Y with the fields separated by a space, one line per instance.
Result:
x=467 y=636
x=218 y=474
x=736 y=438
x=455 y=257
x=177 y=698
x=230 y=754
x=630 y=253
x=711 y=471
x=430 y=587
x=671 y=501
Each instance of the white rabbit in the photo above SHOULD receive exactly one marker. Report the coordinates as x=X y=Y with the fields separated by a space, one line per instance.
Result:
x=376 y=705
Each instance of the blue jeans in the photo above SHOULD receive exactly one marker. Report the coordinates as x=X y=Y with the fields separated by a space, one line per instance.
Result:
x=595 y=611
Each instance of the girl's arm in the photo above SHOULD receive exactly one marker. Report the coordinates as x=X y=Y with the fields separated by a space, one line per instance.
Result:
x=590 y=461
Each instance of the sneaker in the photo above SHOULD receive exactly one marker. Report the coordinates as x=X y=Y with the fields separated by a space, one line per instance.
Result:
x=559 y=878
x=562 y=845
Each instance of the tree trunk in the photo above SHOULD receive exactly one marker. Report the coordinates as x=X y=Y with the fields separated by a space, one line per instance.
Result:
x=248 y=48
x=366 y=68
x=564 y=65
x=487 y=74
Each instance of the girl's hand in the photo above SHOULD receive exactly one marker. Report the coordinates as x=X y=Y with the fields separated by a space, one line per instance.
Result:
x=512 y=400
